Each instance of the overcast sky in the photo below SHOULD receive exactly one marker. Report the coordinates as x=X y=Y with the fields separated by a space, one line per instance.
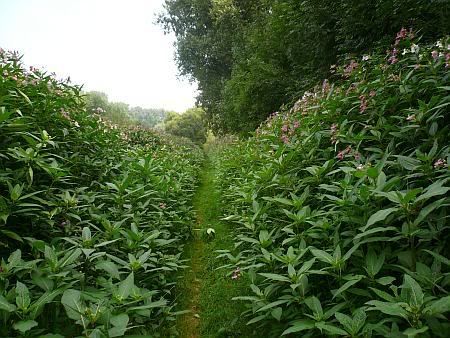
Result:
x=112 y=46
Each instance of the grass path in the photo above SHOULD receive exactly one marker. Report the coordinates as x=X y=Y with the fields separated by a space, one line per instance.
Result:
x=204 y=290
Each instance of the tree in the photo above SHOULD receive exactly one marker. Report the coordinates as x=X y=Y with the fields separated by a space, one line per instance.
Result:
x=250 y=57
x=190 y=124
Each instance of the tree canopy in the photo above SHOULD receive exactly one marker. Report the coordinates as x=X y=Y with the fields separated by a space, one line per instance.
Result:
x=250 y=57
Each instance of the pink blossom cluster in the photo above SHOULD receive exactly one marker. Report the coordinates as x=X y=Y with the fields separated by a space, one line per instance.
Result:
x=348 y=70
x=404 y=34
x=288 y=130
x=362 y=103
x=334 y=133
x=236 y=274
x=325 y=86
x=348 y=150
x=440 y=163
x=393 y=56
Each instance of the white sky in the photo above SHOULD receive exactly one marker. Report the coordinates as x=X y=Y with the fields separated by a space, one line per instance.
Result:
x=112 y=46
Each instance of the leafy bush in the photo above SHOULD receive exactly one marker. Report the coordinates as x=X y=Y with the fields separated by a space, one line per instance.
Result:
x=92 y=217
x=189 y=125
x=341 y=203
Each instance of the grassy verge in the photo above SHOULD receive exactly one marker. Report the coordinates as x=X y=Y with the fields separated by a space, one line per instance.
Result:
x=205 y=291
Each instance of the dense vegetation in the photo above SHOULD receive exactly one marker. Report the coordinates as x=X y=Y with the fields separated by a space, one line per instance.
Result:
x=121 y=113
x=249 y=57
x=190 y=125
x=330 y=219
x=341 y=203
x=93 y=217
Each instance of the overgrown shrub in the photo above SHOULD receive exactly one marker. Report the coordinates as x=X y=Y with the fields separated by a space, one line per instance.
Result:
x=92 y=217
x=341 y=203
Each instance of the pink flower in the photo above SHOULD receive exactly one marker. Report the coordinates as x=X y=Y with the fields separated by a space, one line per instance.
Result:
x=236 y=274
x=440 y=163
x=334 y=132
x=325 y=86
x=65 y=114
x=393 y=58
x=348 y=70
x=435 y=55
x=447 y=60
x=403 y=34
x=284 y=128
x=296 y=124
x=285 y=139
x=344 y=152
x=372 y=93
x=363 y=103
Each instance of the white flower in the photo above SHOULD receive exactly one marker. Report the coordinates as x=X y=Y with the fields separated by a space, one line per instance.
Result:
x=439 y=44
x=405 y=51
x=415 y=48
x=366 y=57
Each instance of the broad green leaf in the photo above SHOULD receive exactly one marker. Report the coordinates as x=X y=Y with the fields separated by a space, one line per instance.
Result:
x=416 y=294
x=276 y=277
x=5 y=305
x=300 y=325
x=412 y=332
x=436 y=189
x=359 y=319
x=109 y=267
x=314 y=304
x=438 y=257
x=22 y=296
x=159 y=303
x=38 y=305
x=379 y=216
x=276 y=313
x=71 y=300
x=345 y=321
x=408 y=163
x=438 y=306
x=392 y=309
x=348 y=284
x=322 y=255
x=120 y=320
x=256 y=319
x=125 y=287
x=70 y=257
x=273 y=304
x=25 y=325
x=374 y=231
x=331 y=329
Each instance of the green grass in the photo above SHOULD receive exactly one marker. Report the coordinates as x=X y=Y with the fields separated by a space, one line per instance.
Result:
x=206 y=291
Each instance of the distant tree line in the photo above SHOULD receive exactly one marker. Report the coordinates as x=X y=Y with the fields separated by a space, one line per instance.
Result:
x=190 y=124
x=121 y=113
x=250 y=57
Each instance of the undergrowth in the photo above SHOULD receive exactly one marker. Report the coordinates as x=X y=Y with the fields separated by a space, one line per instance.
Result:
x=340 y=204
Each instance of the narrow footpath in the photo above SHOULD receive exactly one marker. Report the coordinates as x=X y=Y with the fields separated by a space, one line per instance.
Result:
x=204 y=290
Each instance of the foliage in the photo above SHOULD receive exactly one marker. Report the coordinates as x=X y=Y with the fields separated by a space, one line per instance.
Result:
x=149 y=117
x=250 y=57
x=92 y=217
x=120 y=113
x=341 y=203
x=189 y=125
